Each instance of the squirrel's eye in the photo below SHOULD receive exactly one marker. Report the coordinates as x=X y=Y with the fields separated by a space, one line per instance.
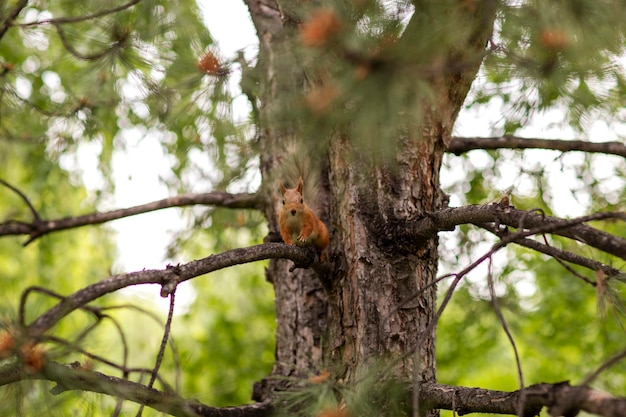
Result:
x=301 y=201
x=283 y=202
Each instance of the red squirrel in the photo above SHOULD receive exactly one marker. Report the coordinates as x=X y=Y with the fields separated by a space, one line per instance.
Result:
x=298 y=224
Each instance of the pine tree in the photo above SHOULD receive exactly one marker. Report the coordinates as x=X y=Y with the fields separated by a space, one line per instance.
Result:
x=363 y=96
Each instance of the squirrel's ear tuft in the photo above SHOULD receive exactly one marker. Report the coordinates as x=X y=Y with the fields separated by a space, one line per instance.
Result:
x=282 y=187
x=300 y=185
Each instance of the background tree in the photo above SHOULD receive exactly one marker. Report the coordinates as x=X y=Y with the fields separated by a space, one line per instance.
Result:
x=366 y=94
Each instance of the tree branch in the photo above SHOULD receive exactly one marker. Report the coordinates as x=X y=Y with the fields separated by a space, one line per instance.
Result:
x=459 y=145
x=69 y=378
x=76 y=19
x=560 y=398
x=533 y=223
x=558 y=253
x=40 y=227
x=169 y=277
x=114 y=45
x=8 y=22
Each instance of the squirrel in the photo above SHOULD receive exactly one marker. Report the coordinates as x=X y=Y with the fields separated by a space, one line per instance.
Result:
x=298 y=224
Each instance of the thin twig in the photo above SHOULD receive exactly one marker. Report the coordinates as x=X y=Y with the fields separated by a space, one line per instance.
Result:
x=77 y=19
x=446 y=299
x=76 y=348
x=558 y=253
x=567 y=267
x=8 y=22
x=24 y=198
x=39 y=109
x=166 y=335
x=21 y=316
x=85 y=57
x=509 y=335
x=158 y=320
x=606 y=365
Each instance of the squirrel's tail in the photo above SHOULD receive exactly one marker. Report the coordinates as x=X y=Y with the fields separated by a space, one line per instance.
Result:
x=297 y=161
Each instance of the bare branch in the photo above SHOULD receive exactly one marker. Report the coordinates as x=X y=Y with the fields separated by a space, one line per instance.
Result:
x=559 y=254
x=64 y=20
x=606 y=365
x=516 y=218
x=170 y=274
x=448 y=219
x=41 y=227
x=71 y=378
x=561 y=398
x=11 y=16
x=93 y=56
x=164 y=340
x=459 y=145
x=509 y=335
x=23 y=197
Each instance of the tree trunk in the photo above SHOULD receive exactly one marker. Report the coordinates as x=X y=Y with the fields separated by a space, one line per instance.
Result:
x=380 y=300
x=301 y=302
x=371 y=315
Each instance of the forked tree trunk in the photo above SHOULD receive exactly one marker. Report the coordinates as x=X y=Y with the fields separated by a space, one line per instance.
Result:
x=380 y=300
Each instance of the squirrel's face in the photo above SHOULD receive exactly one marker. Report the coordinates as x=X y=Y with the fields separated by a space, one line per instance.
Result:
x=293 y=202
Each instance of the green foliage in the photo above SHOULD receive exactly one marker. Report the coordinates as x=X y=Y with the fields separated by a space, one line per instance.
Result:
x=226 y=338
x=51 y=192
x=556 y=54
x=556 y=319
x=88 y=256
x=372 y=393
x=90 y=78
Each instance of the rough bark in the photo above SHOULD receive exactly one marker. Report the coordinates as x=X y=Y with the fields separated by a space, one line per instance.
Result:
x=300 y=298
x=378 y=268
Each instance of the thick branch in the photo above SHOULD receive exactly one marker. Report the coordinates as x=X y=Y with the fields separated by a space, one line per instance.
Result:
x=70 y=378
x=561 y=398
x=169 y=277
x=41 y=227
x=448 y=219
x=460 y=145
